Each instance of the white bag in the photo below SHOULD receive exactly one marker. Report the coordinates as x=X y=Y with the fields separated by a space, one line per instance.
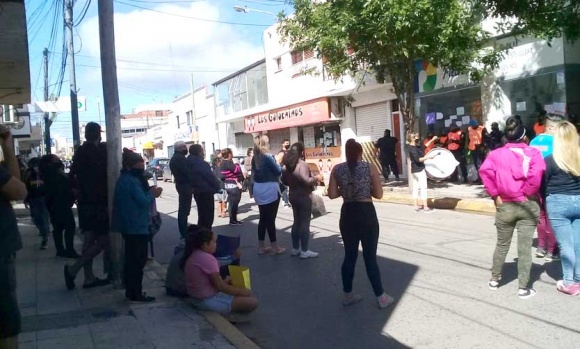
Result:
x=472 y=175
x=318 y=208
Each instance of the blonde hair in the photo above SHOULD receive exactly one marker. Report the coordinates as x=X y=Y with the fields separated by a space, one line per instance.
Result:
x=411 y=138
x=566 y=148
x=262 y=144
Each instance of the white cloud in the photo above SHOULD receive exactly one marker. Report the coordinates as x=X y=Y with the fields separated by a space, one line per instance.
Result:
x=209 y=50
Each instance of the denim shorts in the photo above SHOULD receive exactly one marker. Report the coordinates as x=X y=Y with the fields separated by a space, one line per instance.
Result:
x=220 y=303
x=9 y=312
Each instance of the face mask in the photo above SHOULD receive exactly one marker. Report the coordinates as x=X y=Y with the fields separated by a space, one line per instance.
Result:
x=137 y=172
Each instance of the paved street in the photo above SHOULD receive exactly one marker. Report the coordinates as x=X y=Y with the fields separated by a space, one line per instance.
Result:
x=436 y=265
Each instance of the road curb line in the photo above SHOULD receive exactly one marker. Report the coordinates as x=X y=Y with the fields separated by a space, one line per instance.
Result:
x=444 y=203
x=221 y=324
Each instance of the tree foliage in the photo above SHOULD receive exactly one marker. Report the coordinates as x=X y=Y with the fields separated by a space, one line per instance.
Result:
x=387 y=37
x=546 y=19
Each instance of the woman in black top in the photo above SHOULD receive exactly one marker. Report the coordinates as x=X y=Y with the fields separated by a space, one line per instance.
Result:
x=562 y=190
x=59 y=201
x=36 y=200
x=418 y=175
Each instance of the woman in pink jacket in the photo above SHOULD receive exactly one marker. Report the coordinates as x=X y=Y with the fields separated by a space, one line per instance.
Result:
x=512 y=176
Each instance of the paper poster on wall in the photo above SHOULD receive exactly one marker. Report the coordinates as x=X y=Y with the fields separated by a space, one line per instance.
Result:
x=465 y=119
x=560 y=78
x=458 y=123
x=430 y=118
x=460 y=110
x=439 y=116
x=453 y=117
x=521 y=106
x=447 y=123
x=308 y=134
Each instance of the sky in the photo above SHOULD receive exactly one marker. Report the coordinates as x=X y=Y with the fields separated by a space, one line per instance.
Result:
x=159 y=43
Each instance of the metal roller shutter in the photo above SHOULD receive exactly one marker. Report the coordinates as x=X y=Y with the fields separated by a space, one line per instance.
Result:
x=372 y=120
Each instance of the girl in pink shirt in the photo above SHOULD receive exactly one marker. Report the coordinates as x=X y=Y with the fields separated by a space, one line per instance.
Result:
x=203 y=280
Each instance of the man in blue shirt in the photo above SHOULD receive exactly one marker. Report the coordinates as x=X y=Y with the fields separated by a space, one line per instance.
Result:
x=544 y=142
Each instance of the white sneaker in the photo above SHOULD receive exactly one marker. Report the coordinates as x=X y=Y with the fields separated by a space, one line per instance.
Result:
x=308 y=254
x=295 y=252
x=384 y=300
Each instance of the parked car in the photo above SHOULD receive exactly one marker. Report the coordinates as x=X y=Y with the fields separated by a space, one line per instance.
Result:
x=156 y=166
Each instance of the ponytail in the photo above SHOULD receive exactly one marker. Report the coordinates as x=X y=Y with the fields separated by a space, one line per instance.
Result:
x=353 y=151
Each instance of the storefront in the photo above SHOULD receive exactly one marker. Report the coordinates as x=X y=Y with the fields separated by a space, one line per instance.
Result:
x=308 y=122
x=372 y=120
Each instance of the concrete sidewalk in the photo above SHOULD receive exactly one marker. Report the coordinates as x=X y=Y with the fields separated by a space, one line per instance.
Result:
x=53 y=317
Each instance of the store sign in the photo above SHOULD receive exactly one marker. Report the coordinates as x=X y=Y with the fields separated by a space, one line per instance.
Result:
x=526 y=58
x=430 y=77
x=324 y=158
x=295 y=115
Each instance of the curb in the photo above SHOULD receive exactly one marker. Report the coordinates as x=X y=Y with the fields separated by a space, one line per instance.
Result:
x=445 y=203
x=223 y=326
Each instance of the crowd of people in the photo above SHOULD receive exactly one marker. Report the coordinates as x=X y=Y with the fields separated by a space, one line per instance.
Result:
x=535 y=186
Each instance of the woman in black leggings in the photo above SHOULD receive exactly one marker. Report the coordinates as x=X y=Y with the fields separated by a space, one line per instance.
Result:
x=358 y=182
x=233 y=177
x=266 y=193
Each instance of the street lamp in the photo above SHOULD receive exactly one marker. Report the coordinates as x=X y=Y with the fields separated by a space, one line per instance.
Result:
x=246 y=9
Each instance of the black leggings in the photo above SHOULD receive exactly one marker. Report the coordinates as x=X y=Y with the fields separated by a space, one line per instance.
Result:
x=63 y=222
x=359 y=223
x=267 y=222
x=234 y=197
x=135 y=260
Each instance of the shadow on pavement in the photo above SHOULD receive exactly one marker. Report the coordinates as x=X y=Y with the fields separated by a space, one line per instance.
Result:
x=300 y=300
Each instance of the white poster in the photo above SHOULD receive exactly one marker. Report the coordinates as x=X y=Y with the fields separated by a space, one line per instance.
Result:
x=439 y=116
x=447 y=123
x=308 y=134
x=466 y=119
x=453 y=117
x=460 y=110
x=521 y=106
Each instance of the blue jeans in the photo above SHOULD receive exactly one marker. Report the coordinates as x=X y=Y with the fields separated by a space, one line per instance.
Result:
x=564 y=214
x=40 y=217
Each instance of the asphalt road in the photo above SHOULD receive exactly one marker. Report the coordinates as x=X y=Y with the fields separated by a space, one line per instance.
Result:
x=435 y=265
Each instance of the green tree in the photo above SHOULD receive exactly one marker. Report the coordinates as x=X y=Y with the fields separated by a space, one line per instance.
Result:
x=386 y=37
x=546 y=19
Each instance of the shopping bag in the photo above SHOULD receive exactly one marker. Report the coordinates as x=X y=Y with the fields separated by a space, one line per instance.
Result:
x=318 y=207
x=240 y=276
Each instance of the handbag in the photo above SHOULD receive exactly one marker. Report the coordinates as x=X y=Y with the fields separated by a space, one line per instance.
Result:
x=155 y=220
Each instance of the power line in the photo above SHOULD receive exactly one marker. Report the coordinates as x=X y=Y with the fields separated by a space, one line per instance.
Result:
x=194 y=18
x=198 y=70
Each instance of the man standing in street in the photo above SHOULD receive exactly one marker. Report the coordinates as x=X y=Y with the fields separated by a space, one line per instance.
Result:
x=11 y=188
x=386 y=147
x=204 y=184
x=88 y=175
x=279 y=158
x=181 y=171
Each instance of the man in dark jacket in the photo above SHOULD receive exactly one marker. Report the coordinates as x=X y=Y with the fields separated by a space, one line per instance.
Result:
x=88 y=175
x=204 y=184
x=182 y=173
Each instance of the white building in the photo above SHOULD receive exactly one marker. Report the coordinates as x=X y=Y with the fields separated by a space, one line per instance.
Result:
x=288 y=95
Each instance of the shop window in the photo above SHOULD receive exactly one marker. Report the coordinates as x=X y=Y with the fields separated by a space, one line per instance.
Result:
x=320 y=136
x=278 y=64
x=158 y=113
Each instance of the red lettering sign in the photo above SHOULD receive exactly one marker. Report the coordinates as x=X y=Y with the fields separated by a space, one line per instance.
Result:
x=306 y=113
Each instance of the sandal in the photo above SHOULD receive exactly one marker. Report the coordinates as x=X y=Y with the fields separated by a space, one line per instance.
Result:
x=279 y=251
x=264 y=250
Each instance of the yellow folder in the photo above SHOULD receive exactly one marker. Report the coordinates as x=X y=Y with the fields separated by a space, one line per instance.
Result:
x=240 y=276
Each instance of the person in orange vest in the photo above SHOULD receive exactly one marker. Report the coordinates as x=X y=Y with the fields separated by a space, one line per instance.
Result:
x=429 y=142
x=540 y=125
x=476 y=134
x=456 y=145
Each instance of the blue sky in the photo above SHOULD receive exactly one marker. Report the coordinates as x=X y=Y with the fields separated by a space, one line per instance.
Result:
x=158 y=45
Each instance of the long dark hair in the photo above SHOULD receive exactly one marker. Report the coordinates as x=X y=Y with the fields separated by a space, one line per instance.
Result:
x=294 y=155
x=196 y=237
x=353 y=150
x=515 y=132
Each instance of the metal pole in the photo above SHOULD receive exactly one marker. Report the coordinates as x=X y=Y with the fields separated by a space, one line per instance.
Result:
x=193 y=113
x=99 y=109
x=68 y=20
x=113 y=122
x=47 y=120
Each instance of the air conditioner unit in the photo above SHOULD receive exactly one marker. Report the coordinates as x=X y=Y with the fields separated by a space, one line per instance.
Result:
x=8 y=114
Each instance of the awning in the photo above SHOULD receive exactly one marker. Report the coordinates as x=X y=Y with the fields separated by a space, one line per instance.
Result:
x=148 y=146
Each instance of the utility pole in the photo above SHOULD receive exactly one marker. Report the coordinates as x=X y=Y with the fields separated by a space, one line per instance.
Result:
x=113 y=122
x=193 y=113
x=47 y=121
x=99 y=109
x=68 y=20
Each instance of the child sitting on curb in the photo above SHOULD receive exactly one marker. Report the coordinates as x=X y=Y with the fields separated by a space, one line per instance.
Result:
x=203 y=280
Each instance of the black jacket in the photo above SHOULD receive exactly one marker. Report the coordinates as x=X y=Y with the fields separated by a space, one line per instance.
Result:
x=88 y=174
x=182 y=172
x=203 y=179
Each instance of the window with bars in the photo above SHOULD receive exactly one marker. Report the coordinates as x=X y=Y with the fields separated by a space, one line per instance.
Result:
x=299 y=56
